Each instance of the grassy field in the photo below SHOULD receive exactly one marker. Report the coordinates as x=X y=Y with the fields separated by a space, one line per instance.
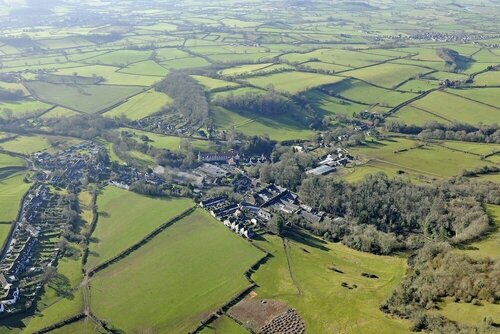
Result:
x=211 y=83
x=10 y=161
x=12 y=189
x=278 y=127
x=141 y=105
x=80 y=327
x=413 y=115
x=185 y=272
x=476 y=148
x=85 y=98
x=110 y=75
x=224 y=325
x=468 y=313
x=59 y=112
x=125 y=218
x=458 y=109
x=332 y=105
x=23 y=108
x=484 y=95
x=4 y=232
x=316 y=291
x=147 y=67
x=169 y=142
x=386 y=75
x=491 y=78
x=293 y=82
x=362 y=92
x=430 y=160
x=30 y=144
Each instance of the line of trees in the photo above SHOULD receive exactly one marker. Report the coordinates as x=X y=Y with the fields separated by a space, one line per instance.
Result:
x=453 y=131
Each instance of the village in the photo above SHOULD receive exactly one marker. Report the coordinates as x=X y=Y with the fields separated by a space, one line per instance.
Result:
x=33 y=243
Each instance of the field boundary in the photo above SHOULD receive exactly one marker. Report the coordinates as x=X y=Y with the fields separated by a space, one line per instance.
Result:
x=141 y=242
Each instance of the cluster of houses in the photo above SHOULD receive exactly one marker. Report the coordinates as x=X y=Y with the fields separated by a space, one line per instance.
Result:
x=71 y=163
x=340 y=157
x=31 y=246
x=234 y=216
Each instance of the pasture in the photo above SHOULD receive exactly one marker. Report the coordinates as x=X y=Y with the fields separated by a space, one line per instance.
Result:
x=293 y=82
x=469 y=314
x=459 y=109
x=307 y=282
x=34 y=143
x=187 y=271
x=428 y=160
x=386 y=75
x=211 y=83
x=125 y=218
x=169 y=142
x=140 y=105
x=12 y=189
x=84 y=98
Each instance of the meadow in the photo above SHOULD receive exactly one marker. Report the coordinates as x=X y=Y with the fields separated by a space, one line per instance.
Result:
x=428 y=160
x=141 y=105
x=315 y=290
x=187 y=271
x=293 y=82
x=125 y=218
x=386 y=75
x=84 y=98
x=12 y=189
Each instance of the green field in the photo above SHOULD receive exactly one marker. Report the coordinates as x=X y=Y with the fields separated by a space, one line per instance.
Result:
x=482 y=95
x=293 y=82
x=23 y=108
x=85 y=98
x=491 y=78
x=141 y=105
x=188 y=270
x=454 y=108
x=211 y=83
x=125 y=218
x=30 y=144
x=316 y=292
x=277 y=127
x=360 y=91
x=224 y=325
x=4 y=232
x=147 y=67
x=386 y=75
x=12 y=189
x=59 y=112
x=469 y=314
x=169 y=142
x=429 y=160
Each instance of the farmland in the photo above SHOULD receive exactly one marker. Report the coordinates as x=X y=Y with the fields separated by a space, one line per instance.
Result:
x=195 y=250
x=121 y=223
x=120 y=121
x=312 y=260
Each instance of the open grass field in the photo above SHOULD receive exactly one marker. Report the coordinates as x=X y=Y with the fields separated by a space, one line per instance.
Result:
x=80 y=327
x=110 y=75
x=4 y=232
x=481 y=95
x=293 y=82
x=85 y=98
x=12 y=189
x=316 y=291
x=414 y=115
x=169 y=142
x=147 y=67
x=363 y=92
x=358 y=173
x=330 y=105
x=224 y=325
x=141 y=105
x=211 y=83
x=455 y=108
x=188 y=270
x=10 y=161
x=341 y=57
x=491 y=78
x=120 y=57
x=125 y=218
x=23 y=108
x=34 y=143
x=59 y=112
x=386 y=75
x=469 y=314
x=279 y=127
x=476 y=148
x=429 y=160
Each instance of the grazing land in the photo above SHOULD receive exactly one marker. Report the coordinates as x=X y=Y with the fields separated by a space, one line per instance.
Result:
x=125 y=218
x=205 y=265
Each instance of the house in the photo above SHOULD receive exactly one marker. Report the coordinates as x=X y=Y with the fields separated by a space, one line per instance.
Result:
x=321 y=170
x=222 y=157
x=212 y=201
